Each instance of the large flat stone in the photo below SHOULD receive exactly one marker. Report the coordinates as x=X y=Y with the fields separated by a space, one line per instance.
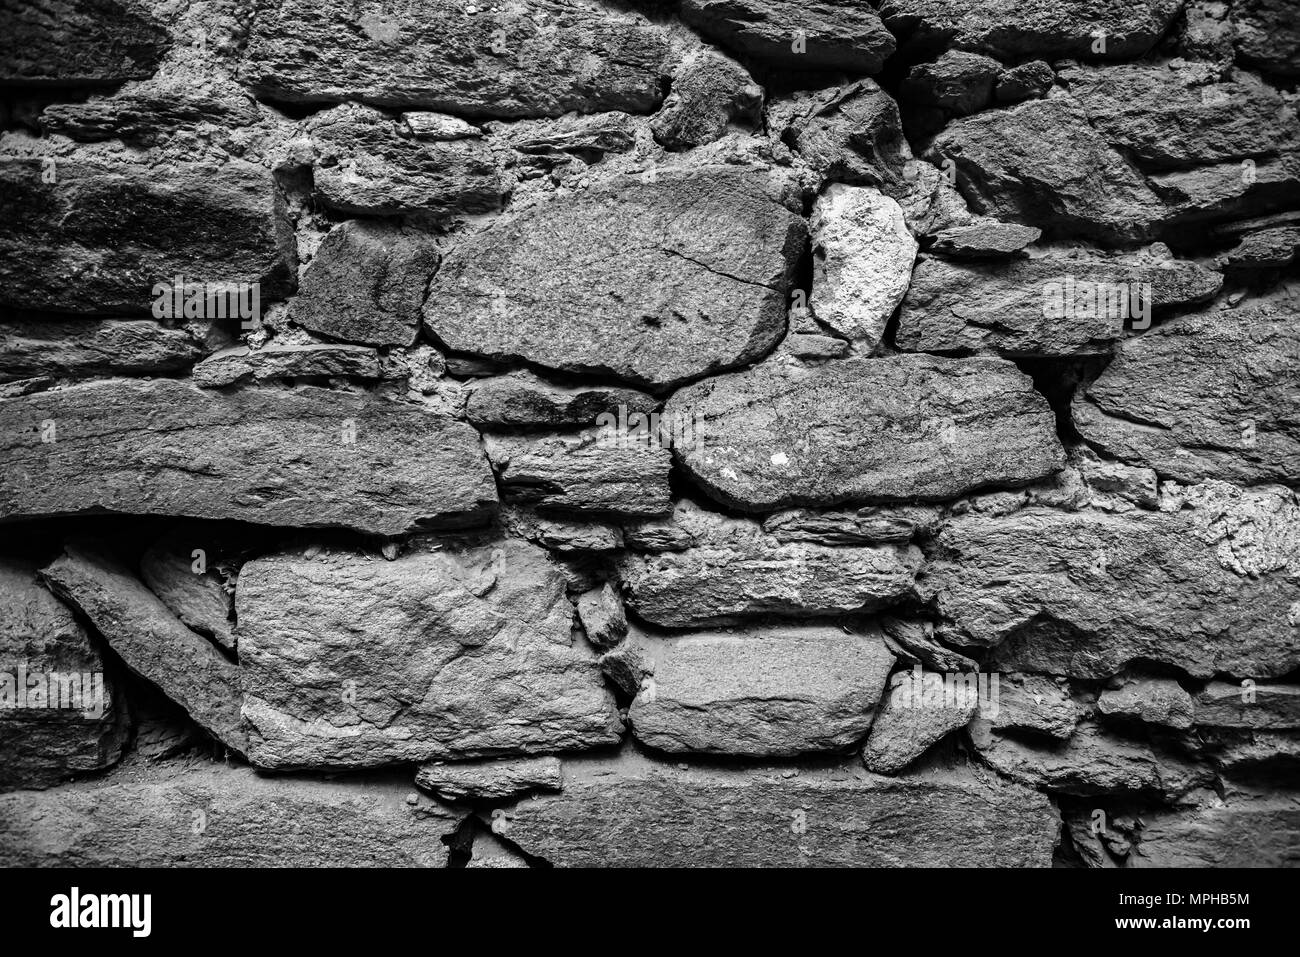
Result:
x=270 y=456
x=79 y=348
x=860 y=430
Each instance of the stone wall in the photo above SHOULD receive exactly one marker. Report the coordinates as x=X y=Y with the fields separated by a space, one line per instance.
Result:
x=715 y=432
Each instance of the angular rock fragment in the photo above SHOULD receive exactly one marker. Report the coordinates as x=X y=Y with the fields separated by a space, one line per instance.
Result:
x=574 y=56
x=1246 y=830
x=1173 y=118
x=1151 y=700
x=489 y=780
x=1227 y=191
x=1215 y=395
x=97 y=229
x=601 y=613
x=522 y=400
x=561 y=534
x=439 y=127
x=693 y=268
x=1113 y=483
x=984 y=238
x=766 y=691
x=914 y=642
x=600 y=471
x=152 y=641
x=366 y=284
x=1047 y=28
x=859 y=430
x=825 y=35
x=912 y=719
x=1092 y=763
x=1267 y=35
x=627 y=666
x=239 y=364
x=190 y=589
x=77 y=348
x=1085 y=593
x=849 y=134
x=864 y=526
x=464 y=652
x=708 y=92
x=363 y=165
x=1042 y=164
x=308 y=458
x=490 y=851
x=862 y=262
x=549 y=143
x=959 y=83
x=1247 y=705
x=1266 y=249
x=1050 y=306
x=62 y=43
x=732 y=570
x=60 y=714
x=615 y=813
x=1028 y=81
x=1033 y=703
x=153 y=819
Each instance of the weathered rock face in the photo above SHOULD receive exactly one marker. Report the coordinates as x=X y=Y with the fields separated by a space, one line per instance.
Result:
x=1049 y=28
x=152 y=641
x=769 y=691
x=366 y=284
x=1248 y=830
x=362 y=164
x=490 y=780
x=76 y=348
x=1204 y=588
x=1266 y=35
x=864 y=526
x=601 y=613
x=849 y=134
x=828 y=35
x=1221 y=705
x=1151 y=700
x=862 y=261
x=698 y=284
x=564 y=56
x=114 y=222
x=1042 y=164
x=910 y=722
x=1035 y=704
x=220 y=816
x=466 y=654
x=55 y=43
x=50 y=727
x=614 y=813
x=1214 y=395
x=178 y=573
x=984 y=239
x=241 y=364
x=524 y=400
x=708 y=92
x=732 y=570
x=1049 y=306
x=309 y=457
x=958 y=82
x=860 y=430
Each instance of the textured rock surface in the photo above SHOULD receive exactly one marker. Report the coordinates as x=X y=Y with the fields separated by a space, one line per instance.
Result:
x=908 y=724
x=601 y=613
x=708 y=92
x=490 y=780
x=1246 y=831
x=468 y=654
x=179 y=575
x=306 y=457
x=69 y=42
x=240 y=364
x=525 y=400
x=79 y=348
x=1152 y=700
x=697 y=285
x=859 y=430
x=43 y=738
x=151 y=819
x=611 y=814
x=771 y=691
x=152 y=641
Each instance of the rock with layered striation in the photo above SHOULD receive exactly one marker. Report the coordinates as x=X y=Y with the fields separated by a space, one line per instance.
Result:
x=1055 y=305
x=984 y=239
x=1215 y=395
x=1046 y=28
x=153 y=642
x=860 y=430
x=862 y=262
x=524 y=400
x=601 y=613
x=1166 y=117
x=1042 y=164
x=1034 y=703
x=1091 y=762
x=693 y=268
x=489 y=780
x=733 y=570
x=463 y=652
x=709 y=91
x=60 y=714
x=616 y=813
x=362 y=164
x=823 y=35
x=366 y=284
x=95 y=229
x=914 y=642
x=599 y=471
x=196 y=814
x=864 y=526
x=239 y=364
x=561 y=533
x=1208 y=588
x=1227 y=191
x=182 y=578
x=62 y=43
x=1245 y=830
x=563 y=56
x=912 y=720
x=1248 y=705
x=78 y=348
x=1160 y=701
x=546 y=144
x=779 y=691
x=1266 y=249
x=305 y=458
